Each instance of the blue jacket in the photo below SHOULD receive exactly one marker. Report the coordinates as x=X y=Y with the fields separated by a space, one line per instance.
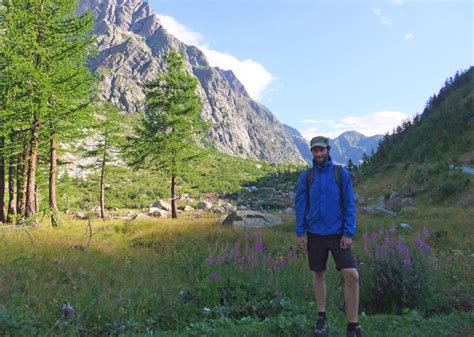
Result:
x=323 y=214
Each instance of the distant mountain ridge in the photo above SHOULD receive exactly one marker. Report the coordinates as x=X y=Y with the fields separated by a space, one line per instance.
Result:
x=131 y=43
x=352 y=145
x=349 y=145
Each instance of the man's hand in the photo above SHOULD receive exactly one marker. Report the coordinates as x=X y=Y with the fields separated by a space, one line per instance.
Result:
x=302 y=241
x=346 y=242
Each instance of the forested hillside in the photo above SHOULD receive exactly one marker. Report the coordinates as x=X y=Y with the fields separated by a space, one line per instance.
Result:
x=445 y=129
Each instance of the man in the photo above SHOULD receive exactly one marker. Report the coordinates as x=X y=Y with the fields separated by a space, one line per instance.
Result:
x=326 y=213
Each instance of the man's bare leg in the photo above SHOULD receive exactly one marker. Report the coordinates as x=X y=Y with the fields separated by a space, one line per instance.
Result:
x=351 y=293
x=319 y=286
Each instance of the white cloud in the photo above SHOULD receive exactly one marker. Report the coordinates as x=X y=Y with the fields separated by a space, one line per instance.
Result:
x=382 y=18
x=409 y=36
x=180 y=31
x=252 y=74
x=377 y=123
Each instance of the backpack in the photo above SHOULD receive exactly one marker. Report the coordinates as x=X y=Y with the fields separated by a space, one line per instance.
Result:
x=337 y=174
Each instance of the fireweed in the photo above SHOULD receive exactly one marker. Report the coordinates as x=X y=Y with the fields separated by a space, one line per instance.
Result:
x=246 y=277
x=396 y=274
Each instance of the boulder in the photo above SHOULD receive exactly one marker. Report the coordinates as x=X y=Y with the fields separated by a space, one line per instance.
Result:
x=188 y=208
x=158 y=213
x=161 y=205
x=81 y=216
x=386 y=212
x=251 y=219
x=408 y=202
x=218 y=210
x=289 y=210
x=204 y=205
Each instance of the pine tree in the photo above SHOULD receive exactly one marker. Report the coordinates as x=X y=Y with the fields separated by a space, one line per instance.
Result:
x=171 y=128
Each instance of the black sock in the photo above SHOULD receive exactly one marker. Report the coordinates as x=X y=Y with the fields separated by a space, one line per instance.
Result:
x=322 y=314
x=351 y=326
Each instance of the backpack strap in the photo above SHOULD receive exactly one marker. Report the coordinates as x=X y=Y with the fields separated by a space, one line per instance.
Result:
x=338 y=175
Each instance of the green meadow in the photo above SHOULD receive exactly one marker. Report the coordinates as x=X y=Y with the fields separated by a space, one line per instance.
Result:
x=194 y=277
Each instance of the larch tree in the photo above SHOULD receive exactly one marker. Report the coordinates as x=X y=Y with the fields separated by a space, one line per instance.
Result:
x=110 y=133
x=47 y=84
x=168 y=137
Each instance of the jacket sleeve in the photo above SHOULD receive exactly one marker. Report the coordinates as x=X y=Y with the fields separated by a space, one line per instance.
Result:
x=300 y=205
x=349 y=210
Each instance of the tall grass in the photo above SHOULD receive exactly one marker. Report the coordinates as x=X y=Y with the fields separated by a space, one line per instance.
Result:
x=196 y=278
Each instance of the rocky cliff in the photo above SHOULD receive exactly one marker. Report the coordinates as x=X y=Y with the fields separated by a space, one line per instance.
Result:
x=131 y=43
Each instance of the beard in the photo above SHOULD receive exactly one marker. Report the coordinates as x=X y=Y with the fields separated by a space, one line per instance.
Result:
x=321 y=159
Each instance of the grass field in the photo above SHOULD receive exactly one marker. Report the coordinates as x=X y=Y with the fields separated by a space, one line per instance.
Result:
x=192 y=277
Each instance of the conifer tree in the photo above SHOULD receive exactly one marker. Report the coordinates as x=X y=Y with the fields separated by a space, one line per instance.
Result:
x=110 y=137
x=44 y=81
x=168 y=137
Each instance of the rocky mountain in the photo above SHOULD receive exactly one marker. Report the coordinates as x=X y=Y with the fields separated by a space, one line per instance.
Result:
x=352 y=145
x=349 y=145
x=301 y=143
x=131 y=43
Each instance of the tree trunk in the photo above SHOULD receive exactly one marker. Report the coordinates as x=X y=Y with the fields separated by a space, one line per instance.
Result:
x=30 y=209
x=22 y=171
x=52 y=180
x=102 y=178
x=3 y=216
x=174 y=208
x=11 y=190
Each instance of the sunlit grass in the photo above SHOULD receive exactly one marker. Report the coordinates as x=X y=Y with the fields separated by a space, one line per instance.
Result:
x=151 y=278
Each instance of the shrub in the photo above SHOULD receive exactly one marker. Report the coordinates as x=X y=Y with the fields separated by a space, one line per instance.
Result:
x=396 y=275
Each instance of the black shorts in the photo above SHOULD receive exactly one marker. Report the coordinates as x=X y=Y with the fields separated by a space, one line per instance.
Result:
x=318 y=248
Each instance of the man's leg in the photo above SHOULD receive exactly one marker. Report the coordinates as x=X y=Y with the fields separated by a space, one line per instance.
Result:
x=319 y=286
x=351 y=293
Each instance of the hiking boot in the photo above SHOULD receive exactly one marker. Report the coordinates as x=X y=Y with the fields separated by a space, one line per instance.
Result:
x=357 y=332
x=321 y=327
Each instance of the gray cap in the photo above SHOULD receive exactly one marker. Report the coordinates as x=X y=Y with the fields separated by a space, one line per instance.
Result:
x=319 y=141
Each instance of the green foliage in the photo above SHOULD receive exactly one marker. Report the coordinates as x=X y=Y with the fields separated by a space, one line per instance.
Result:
x=444 y=129
x=397 y=275
x=453 y=184
x=220 y=174
x=167 y=138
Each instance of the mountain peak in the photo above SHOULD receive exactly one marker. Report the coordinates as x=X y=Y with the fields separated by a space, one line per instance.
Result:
x=132 y=43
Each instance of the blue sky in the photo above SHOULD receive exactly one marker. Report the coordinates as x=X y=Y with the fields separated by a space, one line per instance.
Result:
x=325 y=67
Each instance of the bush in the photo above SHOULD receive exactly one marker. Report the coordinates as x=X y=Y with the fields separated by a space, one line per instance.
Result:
x=450 y=185
x=396 y=275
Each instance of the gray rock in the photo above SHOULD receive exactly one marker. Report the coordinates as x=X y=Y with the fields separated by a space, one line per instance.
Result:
x=408 y=201
x=81 y=216
x=386 y=212
x=251 y=219
x=289 y=210
x=371 y=208
x=204 y=205
x=242 y=208
x=218 y=210
x=158 y=213
x=161 y=205
x=188 y=208
x=405 y=226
